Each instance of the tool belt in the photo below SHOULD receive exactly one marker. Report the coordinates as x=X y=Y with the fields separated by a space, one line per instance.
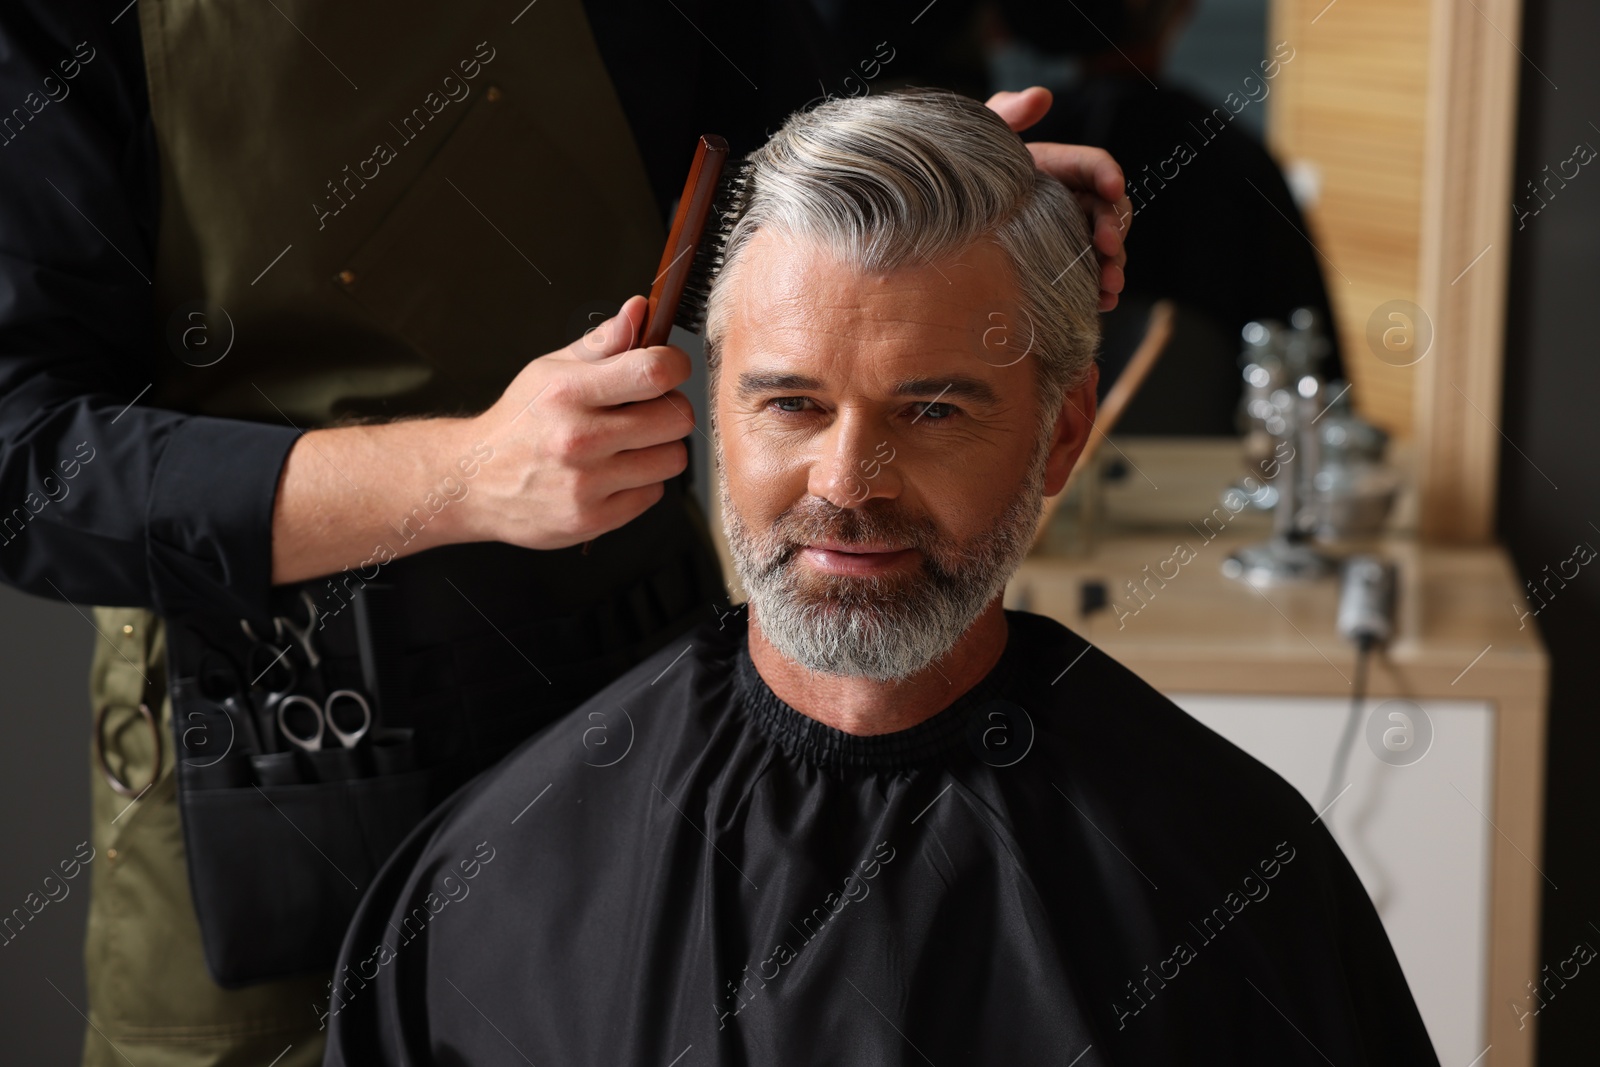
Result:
x=399 y=691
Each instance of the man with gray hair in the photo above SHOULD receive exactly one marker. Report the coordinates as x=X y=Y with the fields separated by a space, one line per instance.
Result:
x=878 y=818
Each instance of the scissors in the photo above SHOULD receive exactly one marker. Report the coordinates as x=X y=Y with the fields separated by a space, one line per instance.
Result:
x=220 y=685
x=260 y=698
x=300 y=634
x=323 y=716
x=269 y=677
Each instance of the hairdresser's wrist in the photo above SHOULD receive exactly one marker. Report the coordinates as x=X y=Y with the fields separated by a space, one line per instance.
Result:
x=456 y=477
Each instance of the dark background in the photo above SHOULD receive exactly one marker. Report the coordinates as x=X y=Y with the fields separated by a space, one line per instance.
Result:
x=44 y=814
x=1552 y=382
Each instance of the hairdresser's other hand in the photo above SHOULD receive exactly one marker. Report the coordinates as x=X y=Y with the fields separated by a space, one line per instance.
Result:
x=584 y=438
x=1090 y=173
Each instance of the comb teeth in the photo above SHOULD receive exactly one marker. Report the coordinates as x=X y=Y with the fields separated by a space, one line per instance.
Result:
x=728 y=204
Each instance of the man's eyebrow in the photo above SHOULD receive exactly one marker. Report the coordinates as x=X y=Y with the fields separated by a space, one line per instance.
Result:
x=960 y=386
x=752 y=383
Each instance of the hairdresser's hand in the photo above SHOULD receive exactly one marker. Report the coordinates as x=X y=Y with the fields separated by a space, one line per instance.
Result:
x=562 y=457
x=584 y=438
x=1090 y=173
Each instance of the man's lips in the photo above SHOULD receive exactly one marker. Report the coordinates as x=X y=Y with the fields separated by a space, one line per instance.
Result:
x=837 y=557
x=854 y=548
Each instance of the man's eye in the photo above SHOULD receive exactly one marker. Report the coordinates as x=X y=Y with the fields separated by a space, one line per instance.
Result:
x=790 y=404
x=934 y=410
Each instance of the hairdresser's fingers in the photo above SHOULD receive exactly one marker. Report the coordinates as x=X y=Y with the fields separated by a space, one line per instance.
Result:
x=623 y=507
x=1081 y=168
x=1113 y=269
x=1103 y=223
x=617 y=372
x=1112 y=283
x=1094 y=176
x=641 y=467
x=1024 y=109
x=617 y=334
x=635 y=375
x=668 y=417
x=1089 y=172
x=1111 y=220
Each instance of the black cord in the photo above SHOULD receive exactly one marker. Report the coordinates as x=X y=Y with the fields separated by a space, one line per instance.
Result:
x=1352 y=725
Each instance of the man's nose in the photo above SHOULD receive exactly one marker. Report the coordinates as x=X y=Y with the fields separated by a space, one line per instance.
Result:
x=855 y=463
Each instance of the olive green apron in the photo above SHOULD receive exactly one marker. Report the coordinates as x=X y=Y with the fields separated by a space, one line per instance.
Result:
x=380 y=210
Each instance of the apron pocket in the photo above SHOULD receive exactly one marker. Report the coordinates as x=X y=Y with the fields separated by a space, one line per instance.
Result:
x=277 y=870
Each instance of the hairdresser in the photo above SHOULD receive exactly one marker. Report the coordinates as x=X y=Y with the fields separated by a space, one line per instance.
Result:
x=316 y=337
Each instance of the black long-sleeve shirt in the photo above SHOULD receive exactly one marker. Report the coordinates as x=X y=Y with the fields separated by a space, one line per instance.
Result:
x=103 y=499
x=106 y=500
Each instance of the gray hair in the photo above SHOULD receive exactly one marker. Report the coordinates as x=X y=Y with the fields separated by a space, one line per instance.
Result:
x=910 y=176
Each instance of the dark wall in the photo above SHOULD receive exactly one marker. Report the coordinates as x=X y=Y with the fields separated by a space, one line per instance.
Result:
x=1550 y=497
x=44 y=814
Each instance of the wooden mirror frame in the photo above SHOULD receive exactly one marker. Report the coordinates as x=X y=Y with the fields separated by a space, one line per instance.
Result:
x=1406 y=112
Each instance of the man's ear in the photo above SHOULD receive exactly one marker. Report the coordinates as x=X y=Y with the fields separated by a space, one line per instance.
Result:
x=1074 y=424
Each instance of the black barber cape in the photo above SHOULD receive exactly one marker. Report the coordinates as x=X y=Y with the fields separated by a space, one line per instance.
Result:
x=1061 y=867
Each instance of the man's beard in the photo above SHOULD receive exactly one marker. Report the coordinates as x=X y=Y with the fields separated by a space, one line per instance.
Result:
x=885 y=627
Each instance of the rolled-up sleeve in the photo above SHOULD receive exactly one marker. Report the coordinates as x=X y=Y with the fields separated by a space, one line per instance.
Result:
x=104 y=499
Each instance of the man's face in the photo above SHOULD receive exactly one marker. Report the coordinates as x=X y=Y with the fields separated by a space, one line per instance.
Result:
x=879 y=454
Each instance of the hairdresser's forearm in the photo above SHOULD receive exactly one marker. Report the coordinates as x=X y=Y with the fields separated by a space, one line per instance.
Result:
x=356 y=496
